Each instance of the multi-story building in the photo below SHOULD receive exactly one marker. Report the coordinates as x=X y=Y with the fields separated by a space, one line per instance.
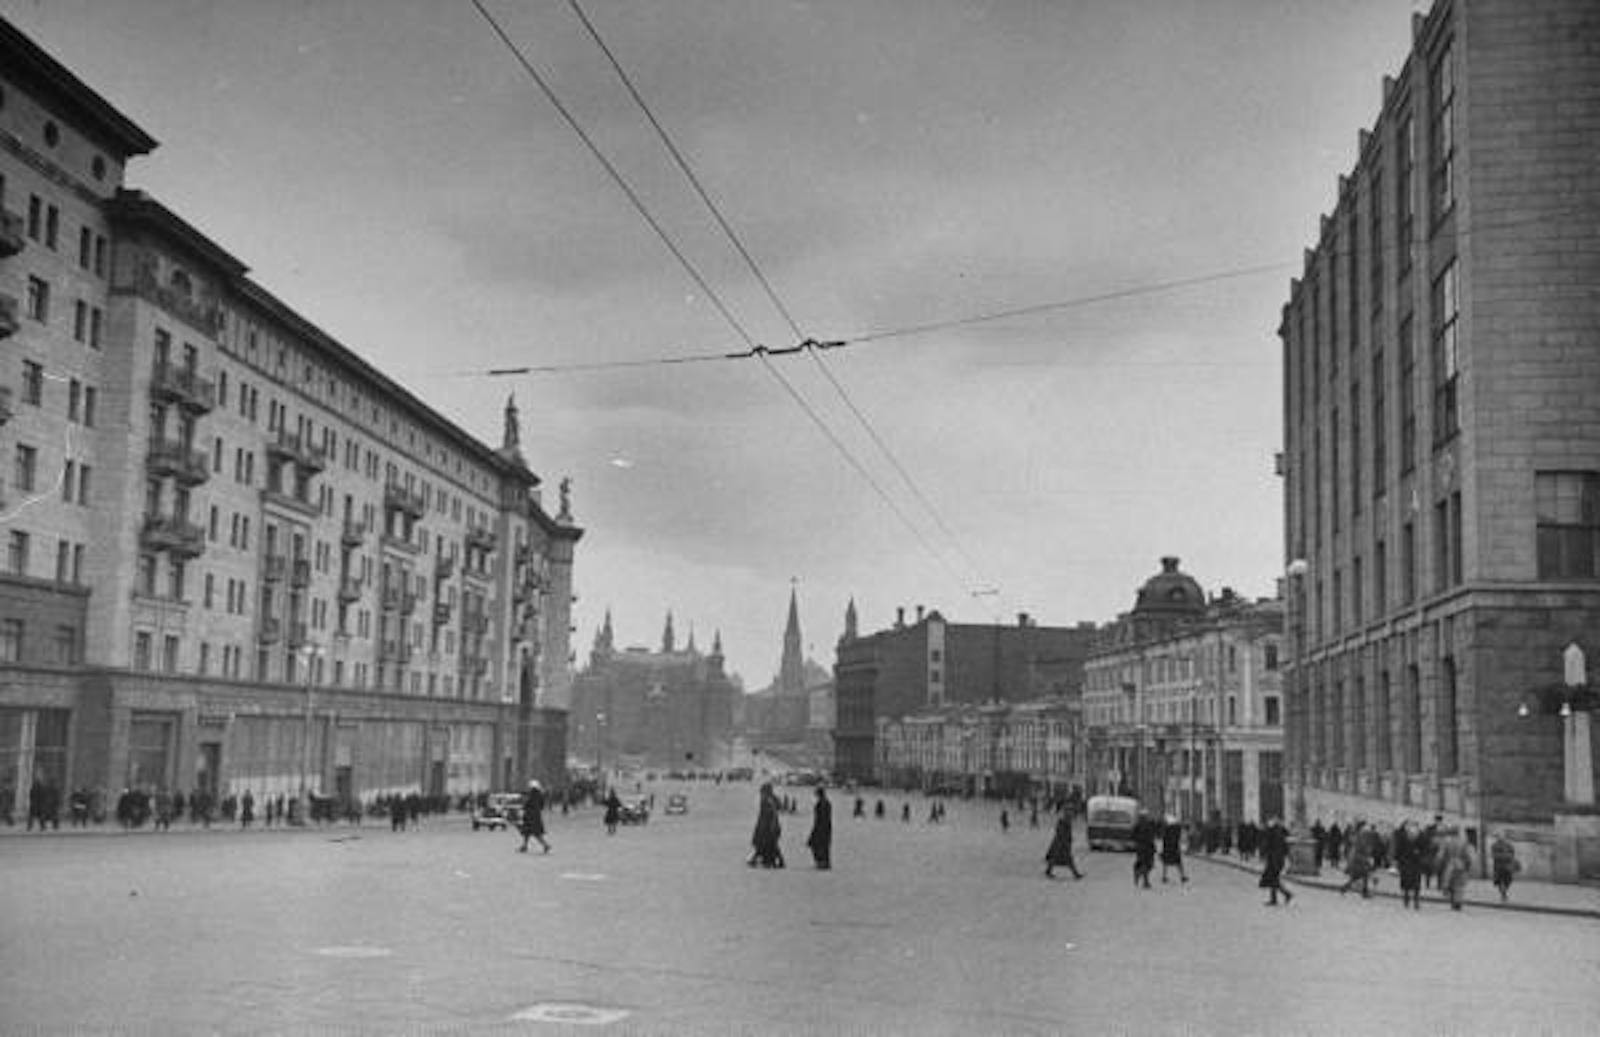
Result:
x=1182 y=702
x=1005 y=749
x=1442 y=440
x=922 y=666
x=671 y=708
x=237 y=554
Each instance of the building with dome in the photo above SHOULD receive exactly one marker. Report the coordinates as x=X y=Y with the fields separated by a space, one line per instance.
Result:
x=1183 y=702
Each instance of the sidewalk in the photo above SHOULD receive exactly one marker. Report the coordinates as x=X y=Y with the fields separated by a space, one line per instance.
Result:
x=1549 y=898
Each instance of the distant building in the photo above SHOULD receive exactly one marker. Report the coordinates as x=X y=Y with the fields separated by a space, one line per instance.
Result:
x=1442 y=443
x=928 y=664
x=668 y=709
x=1183 y=706
x=1006 y=749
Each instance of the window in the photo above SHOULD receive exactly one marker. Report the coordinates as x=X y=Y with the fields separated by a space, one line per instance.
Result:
x=35 y=217
x=1567 y=505
x=169 y=654
x=91 y=396
x=83 y=485
x=1413 y=720
x=32 y=383
x=52 y=227
x=11 y=640
x=1380 y=446
x=141 y=650
x=1446 y=359
x=80 y=320
x=1355 y=444
x=1270 y=656
x=69 y=481
x=1449 y=722
x=38 y=299
x=85 y=248
x=1408 y=563
x=1408 y=395
x=1441 y=131
x=63 y=560
x=1447 y=541
x=27 y=468
x=66 y=645
x=1274 y=711
x=1380 y=578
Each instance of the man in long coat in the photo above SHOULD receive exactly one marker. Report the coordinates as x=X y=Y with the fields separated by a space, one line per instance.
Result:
x=821 y=838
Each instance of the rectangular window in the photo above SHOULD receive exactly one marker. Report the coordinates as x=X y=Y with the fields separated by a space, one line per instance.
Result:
x=1358 y=724
x=1408 y=563
x=39 y=299
x=1449 y=721
x=52 y=227
x=1375 y=239
x=85 y=248
x=35 y=217
x=1442 y=131
x=32 y=383
x=91 y=396
x=1404 y=211
x=1413 y=720
x=1567 y=509
x=83 y=485
x=69 y=481
x=66 y=645
x=27 y=468
x=63 y=560
x=1408 y=395
x=80 y=320
x=169 y=654
x=1356 y=590
x=101 y=246
x=141 y=650
x=1446 y=359
x=97 y=323
x=17 y=552
x=11 y=640
x=1383 y=749
x=1274 y=716
x=1380 y=578
x=1380 y=446
x=1355 y=444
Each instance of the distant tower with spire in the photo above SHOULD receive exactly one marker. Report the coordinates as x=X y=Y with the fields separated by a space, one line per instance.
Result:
x=669 y=640
x=791 y=670
x=850 y=623
x=511 y=438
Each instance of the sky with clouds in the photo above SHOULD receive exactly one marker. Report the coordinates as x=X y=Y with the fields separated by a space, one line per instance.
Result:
x=390 y=171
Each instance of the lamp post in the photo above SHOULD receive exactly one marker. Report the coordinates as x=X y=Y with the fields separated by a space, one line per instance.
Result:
x=599 y=744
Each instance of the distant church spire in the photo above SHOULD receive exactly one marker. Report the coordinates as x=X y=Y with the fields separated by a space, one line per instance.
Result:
x=604 y=642
x=850 y=622
x=791 y=671
x=668 y=639
x=690 y=648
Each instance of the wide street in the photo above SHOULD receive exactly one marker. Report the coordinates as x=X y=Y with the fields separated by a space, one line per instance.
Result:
x=662 y=928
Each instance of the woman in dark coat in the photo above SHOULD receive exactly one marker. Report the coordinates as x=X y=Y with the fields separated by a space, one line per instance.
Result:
x=1172 y=849
x=532 y=823
x=613 y=812
x=1408 y=850
x=1059 y=855
x=764 y=841
x=1144 y=850
x=1274 y=855
x=821 y=838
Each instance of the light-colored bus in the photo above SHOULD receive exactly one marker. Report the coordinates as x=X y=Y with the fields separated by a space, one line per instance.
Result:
x=1111 y=820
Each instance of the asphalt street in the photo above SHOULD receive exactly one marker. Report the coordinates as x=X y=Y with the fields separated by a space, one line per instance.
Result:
x=662 y=928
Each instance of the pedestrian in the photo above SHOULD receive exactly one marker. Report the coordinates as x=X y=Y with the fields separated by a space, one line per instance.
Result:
x=821 y=838
x=163 y=810
x=397 y=813
x=1059 y=855
x=1033 y=816
x=1319 y=838
x=1005 y=821
x=1144 y=850
x=532 y=823
x=247 y=809
x=1274 y=847
x=861 y=808
x=1172 y=849
x=613 y=811
x=1358 y=862
x=905 y=812
x=877 y=811
x=764 y=846
x=1456 y=868
x=1503 y=858
x=1408 y=863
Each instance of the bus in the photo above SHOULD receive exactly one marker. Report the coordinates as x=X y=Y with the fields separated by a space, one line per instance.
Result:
x=1111 y=820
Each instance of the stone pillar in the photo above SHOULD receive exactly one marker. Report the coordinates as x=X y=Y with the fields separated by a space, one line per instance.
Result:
x=1579 y=759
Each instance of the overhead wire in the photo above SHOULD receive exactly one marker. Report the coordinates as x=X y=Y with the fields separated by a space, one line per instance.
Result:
x=810 y=346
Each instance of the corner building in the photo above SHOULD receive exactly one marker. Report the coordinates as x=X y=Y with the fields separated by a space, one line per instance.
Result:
x=1441 y=356
x=238 y=556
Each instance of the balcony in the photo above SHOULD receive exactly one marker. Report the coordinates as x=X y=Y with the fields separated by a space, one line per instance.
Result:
x=300 y=573
x=350 y=589
x=395 y=652
x=441 y=613
x=299 y=635
x=398 y=497
x=481 y=539
x=275 y=568
x=12 y=238
x=301 y=451
x=183 y=386
x=444 y=568
x=354 y=534
x=271 y=631
x=8 y=315
x=408 y=602
x=166 y=533
x=391 y=598
x=285 y=499
x=203 y=313
x=185 y=464
x=399 y=543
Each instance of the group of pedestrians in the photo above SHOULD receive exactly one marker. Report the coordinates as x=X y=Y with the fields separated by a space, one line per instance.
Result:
x=1432 y=855
x=766 y=849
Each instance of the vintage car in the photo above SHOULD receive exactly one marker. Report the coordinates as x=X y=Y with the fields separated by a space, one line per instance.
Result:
x=501 y=810
x=634 y=811
x=677 y=803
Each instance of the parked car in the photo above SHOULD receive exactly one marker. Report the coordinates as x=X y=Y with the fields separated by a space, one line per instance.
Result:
x=634 y=811
x=677 y=803
x=500 y=811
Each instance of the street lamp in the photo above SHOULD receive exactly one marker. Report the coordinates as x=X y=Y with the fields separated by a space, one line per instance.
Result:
x=311 y=652
x=599 y=743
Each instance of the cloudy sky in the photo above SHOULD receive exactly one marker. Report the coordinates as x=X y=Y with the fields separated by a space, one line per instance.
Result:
x=391 y=171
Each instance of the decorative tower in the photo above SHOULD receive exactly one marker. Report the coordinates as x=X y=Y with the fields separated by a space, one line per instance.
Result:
x=604 y=643
x=791 y=671
x=668 y=639
x=849 y=623
x=715 y=658
x=511 y=439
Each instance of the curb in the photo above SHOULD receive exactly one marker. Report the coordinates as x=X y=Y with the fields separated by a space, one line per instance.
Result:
x=1324 y=884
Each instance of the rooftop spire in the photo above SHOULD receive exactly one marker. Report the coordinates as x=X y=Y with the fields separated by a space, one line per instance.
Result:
x=668 y=639
x=791 y=671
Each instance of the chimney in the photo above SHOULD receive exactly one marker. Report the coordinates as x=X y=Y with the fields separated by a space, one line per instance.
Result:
x=899 y=617
x=1022 y=619
x=919 y=613
x=1169 y=564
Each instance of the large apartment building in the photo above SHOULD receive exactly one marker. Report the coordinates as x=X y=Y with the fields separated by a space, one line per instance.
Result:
x=237 y=555
x=1442 y=439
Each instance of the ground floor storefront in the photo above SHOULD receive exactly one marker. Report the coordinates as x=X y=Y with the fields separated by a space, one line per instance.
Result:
x=68 y=735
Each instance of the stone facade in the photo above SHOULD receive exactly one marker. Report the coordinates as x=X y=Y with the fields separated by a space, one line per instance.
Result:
x=238 y=555
x=1442 y=430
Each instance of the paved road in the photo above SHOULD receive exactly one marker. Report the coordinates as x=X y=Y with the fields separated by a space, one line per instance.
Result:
x=918 y=930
